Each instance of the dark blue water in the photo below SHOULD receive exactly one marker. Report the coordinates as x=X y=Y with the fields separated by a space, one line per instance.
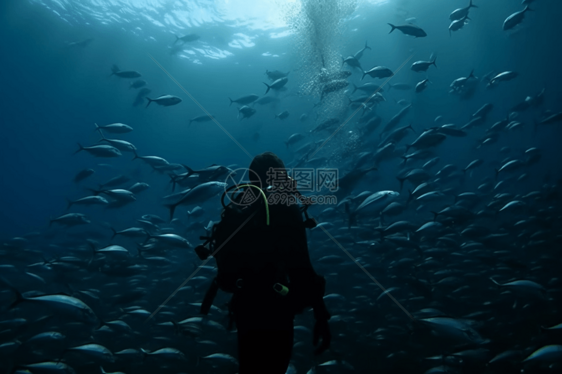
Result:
x=52 y=94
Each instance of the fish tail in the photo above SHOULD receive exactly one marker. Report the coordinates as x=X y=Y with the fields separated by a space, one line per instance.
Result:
x=136 y=155
x=471 y=75
x=435 y=214
x=172 y=208
x=92 y=246
x=366 y=46
x=470 y=5
x=497 y=173
x=80 y=148
x=433 y=62
x=268 y=88
x=114 y=233
x=410 y=127
x=139 y=249
x=401 y=180
x=342 y=61
x=363 y=76
x=177 y=38
x=528 y=9
x=148 y=237
x=351 y=215
x=354 y=88
x=95 y=192
x=19 y=298
x=173 y=181
x=410 y=196
x=149 y=101
x=189 y=170
x=230 y=101
x=393 y=27
x=69 y=203
x=493 y=280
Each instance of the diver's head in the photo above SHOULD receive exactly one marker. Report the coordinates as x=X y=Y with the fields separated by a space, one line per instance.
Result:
x=260 y=166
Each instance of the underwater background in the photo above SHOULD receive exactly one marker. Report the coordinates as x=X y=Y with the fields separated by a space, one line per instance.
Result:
x=57 y=82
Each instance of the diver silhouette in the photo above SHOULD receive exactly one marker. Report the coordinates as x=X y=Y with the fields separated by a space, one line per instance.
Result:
x=263 y=260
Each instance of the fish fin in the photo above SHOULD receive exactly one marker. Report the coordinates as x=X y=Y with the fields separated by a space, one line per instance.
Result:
x=348 y=212
x=114 y=233
x=139 y=249
x=188 y=169
x=95 y=192
x=19 y=298
x=393 y=27
x=268 y=88
x=173 y=181
x=401 y=180
x=80 y=148
x=410 y=197
x=172 y=208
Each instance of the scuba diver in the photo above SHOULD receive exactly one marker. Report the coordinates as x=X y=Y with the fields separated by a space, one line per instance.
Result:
x=262 y=258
